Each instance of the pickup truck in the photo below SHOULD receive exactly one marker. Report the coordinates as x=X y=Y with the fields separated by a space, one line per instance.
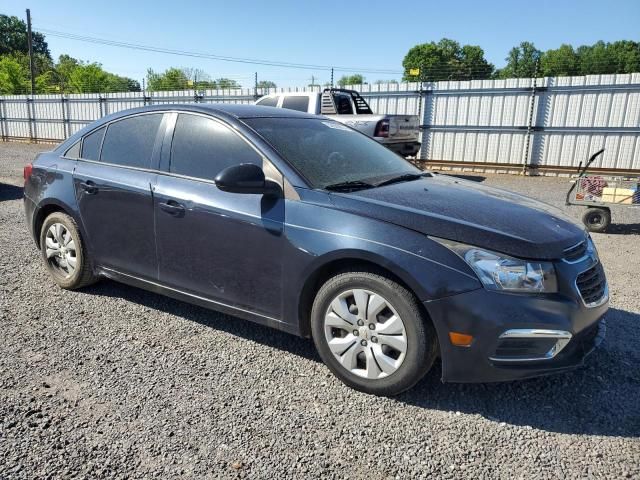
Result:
x=399 y=133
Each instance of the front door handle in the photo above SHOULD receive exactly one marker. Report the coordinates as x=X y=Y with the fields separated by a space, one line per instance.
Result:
x=172 y=208
x=89 y=187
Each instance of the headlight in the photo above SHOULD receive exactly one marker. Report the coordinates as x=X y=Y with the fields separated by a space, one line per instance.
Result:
x=497 y=271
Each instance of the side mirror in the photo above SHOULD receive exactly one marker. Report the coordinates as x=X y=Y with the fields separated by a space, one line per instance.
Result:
x=246 y=178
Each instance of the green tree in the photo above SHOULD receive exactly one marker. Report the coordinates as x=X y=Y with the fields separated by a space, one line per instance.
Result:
x=626 y=55
x=89 y=78
x=198 y=79
x=521 y=62
x=355 y=79
x=563 y=61
x=446 y=60
x=472 y=64
x=622 y=56
x=14 y=78
x=13 y=37
x=66 y=64
x=266 y=84
x=382 y=82
x=226 y=83
x=595 y=59
x=171 y=79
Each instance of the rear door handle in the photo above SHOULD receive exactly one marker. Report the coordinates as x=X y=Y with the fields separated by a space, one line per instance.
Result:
x=89 y=187
x=172 y=208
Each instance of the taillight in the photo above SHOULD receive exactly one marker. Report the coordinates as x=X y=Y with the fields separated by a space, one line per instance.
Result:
x=382 y=129
x=26 y=173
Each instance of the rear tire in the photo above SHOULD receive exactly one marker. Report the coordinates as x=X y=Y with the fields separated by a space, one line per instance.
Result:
x=597 y=219
x=64 y=253
x=383 y=350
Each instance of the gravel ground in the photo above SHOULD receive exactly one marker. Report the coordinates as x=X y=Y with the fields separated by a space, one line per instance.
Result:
x=114 y=381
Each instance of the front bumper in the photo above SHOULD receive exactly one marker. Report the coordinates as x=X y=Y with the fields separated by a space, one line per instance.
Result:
x=487 y=315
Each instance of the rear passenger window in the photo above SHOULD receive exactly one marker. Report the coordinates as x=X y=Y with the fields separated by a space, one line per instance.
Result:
x=91 y=144
x=296 y=102
x=74 y=151
x=202 y=148
x=268 y=102
x=130 y=142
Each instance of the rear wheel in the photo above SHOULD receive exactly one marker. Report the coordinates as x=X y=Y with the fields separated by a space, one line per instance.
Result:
x=371 y=333
x=597 y=219
x=64 y=253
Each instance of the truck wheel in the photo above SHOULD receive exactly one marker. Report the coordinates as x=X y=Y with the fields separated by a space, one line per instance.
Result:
x=597 y=219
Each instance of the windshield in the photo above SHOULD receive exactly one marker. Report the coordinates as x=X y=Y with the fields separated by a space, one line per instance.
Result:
x=327 y=153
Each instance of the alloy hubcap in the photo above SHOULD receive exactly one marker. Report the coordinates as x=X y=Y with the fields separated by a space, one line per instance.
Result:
x=61 y=249
x=365 y=334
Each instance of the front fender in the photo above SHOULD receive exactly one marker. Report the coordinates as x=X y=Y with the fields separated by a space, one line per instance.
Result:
x=320 y=236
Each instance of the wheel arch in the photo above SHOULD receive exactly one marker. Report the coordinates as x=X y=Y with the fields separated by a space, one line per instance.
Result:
x=347 y=261
x=47 y=208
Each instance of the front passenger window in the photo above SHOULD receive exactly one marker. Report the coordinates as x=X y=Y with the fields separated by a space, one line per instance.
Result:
x=202 y=148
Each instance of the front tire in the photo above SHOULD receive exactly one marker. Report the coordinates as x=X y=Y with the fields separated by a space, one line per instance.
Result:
x=64 y=252
x=371 y=333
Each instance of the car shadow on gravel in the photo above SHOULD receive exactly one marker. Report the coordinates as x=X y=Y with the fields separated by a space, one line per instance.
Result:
x=235 y=326
x=9 y=192
x=601 y=398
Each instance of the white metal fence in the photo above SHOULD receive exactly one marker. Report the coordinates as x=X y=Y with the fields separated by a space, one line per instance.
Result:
x=550 y=123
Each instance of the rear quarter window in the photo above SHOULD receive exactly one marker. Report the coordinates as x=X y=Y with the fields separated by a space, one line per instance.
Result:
x=73 y=151
x=296 y=102
x=91 y=144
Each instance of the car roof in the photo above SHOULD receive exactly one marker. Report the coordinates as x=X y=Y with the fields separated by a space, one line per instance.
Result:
x=229 y=111
x=235 y=110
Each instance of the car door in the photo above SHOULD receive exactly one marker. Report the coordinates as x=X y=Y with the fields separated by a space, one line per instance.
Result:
x=113 y=190
x=222 y=246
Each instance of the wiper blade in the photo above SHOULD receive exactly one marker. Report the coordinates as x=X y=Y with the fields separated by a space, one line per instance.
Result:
x=349 y=186
x=405 y=177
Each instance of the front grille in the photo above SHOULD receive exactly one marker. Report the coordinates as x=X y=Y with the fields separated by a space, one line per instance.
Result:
x=576 y=252
x=592 y=284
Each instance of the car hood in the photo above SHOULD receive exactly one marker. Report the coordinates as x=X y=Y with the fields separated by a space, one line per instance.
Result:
x=469 y=212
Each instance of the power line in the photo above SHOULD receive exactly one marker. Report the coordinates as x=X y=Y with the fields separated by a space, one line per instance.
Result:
x=211 y=56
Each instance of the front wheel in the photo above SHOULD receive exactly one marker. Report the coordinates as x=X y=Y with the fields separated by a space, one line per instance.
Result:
x=371 y=333
x=597 y=219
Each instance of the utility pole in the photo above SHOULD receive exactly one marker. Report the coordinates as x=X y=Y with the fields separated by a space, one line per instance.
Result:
x=30 y=41
x=255 y=83
x=331 y=77
x=530 y=126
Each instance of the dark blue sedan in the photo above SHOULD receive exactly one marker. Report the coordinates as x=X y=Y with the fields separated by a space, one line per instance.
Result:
x=303 y=224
